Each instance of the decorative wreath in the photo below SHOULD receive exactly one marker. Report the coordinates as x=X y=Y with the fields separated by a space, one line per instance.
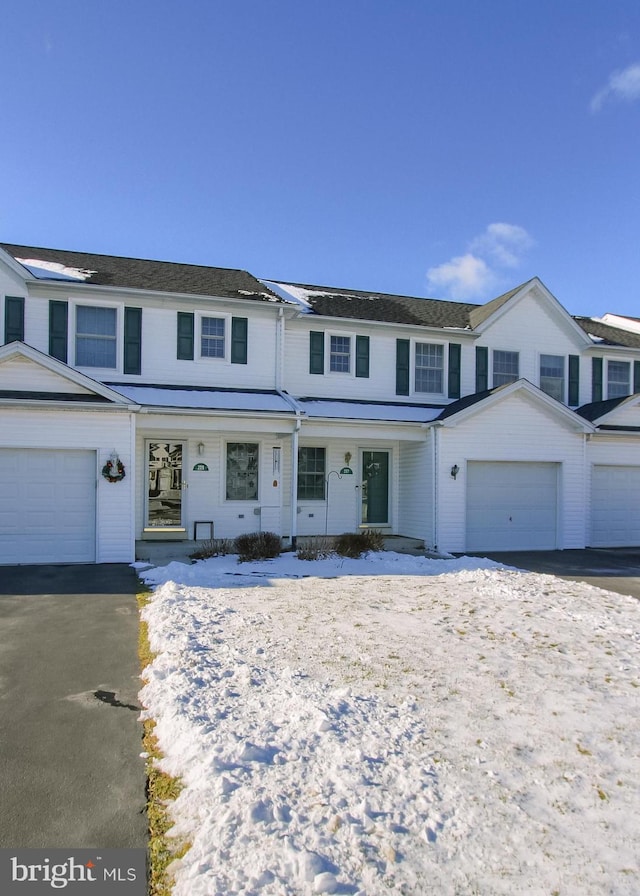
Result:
x=113 y=472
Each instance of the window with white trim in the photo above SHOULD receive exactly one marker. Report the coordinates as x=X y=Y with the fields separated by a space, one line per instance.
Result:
x=242 y=471
x=311 y=474
x=212 y=337
x=618 y=379
x=552 y=376
x=96 y=336
x=340 y=354
x=505 y=367
x=429 y=368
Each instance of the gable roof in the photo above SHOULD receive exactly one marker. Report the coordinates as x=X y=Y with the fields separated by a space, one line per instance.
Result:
x=138 y=273
x=471 y=404
x=608 y=335
x=70 y=384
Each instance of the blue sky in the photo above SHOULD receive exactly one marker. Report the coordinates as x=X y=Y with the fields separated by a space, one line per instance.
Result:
x=450 y=150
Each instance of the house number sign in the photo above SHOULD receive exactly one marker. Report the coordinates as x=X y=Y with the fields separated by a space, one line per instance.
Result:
x=199 y=467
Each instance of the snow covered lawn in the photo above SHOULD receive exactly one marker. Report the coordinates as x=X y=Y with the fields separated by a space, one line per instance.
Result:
x=397 y=725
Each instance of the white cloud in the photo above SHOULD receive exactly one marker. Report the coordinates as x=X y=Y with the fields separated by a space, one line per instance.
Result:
x=473 y=275
x=505 y=244
x=622 y=85
x=464 y=277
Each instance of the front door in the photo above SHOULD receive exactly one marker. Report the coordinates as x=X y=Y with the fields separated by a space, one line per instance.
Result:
x=164 y=497
x=375 y=488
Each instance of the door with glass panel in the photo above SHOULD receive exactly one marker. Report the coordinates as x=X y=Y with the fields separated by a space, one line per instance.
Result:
x=164 y=490
x=375 y=488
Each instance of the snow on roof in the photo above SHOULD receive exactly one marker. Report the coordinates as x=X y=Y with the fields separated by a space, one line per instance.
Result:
x=53 y=270
x=206 y=399
x=295 y=295
x=353 y=410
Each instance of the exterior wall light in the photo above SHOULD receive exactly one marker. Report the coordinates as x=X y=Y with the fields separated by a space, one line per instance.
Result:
x=200 y=448
x=455 y=469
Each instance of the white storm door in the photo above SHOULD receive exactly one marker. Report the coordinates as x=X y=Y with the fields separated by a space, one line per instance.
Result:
x=164 y=485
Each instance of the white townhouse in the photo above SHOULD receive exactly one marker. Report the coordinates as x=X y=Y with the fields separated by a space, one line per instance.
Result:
x=151 y=400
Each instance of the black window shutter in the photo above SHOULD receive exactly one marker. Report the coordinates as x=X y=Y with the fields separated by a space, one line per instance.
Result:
x=482 y=368
x=13 y=319
x=402 y=366
x=58 y=337
x=238 y=340
x=636 y=376
x=185 y=336
x=316 y=352
x=132 y=340
x=574 y=380
x=596 y=379
x=455 y=352
x=362 y=356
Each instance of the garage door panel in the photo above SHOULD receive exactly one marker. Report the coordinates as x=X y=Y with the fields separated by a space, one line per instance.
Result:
x=615 y=506
x=511 y=506
x=48 y=514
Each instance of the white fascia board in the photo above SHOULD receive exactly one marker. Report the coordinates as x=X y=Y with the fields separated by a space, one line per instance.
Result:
x=341 y=322
x=213 y=412
x=21 y=349
x=17 y=268
x=68 y=405
x=45 y=288
x=566 y=414
x=603 y=347
x=559 y=310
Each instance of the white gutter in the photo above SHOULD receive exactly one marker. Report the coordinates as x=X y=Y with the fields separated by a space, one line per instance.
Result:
x=279 y=348
x=436 y=491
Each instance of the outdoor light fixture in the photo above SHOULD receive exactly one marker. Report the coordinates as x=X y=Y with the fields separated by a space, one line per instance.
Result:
x=347 y=457
x=455 y=469
x=200 y=448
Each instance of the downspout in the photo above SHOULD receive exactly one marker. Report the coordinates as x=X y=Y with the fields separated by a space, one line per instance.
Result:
x=294 y=482
x=279 y=348
x=436 y=490
x=132 y=484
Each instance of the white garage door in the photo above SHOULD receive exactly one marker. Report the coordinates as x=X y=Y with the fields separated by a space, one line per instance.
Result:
x=47 y=506
x=615 y=507
x=511 y=506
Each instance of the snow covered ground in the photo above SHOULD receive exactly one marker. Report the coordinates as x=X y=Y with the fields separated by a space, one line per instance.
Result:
x=397 y=725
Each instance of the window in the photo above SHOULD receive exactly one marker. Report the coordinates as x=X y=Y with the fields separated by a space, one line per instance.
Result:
x=96 y=336
x=618 y=379
x=429 y=368
x=505 y=367
x=340 y=354
x=242 y=471
x=552 y=376
x=212 y=337
x=311 y=474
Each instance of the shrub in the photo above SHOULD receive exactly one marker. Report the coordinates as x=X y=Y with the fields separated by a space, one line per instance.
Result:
x=257 y=546
x=355 y=544
x=213 y=547
x=318 y=547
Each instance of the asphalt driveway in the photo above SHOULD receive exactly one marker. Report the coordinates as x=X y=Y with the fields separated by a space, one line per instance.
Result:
x=70 y=740
x=615 y=569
